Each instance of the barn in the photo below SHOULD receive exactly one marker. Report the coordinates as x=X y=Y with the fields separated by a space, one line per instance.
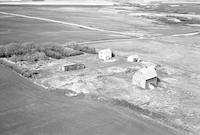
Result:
x=145 y=78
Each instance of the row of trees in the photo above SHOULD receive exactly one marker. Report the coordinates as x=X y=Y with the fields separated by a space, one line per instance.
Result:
x=34 y=52
x=82 y=48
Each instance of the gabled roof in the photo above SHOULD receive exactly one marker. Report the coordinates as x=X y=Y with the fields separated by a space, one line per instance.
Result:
x=105 y=50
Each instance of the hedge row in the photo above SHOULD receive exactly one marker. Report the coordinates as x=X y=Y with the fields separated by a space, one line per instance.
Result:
x=83 y=48
x=33 y=52
x=29 y=57
x=56 y=51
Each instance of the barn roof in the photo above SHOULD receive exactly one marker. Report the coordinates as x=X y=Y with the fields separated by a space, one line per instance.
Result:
x=148 y=73
x=145 y=73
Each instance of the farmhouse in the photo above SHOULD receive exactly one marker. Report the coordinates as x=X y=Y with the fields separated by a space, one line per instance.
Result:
x=145 y=78
x=133 y=58
x=105 y=54
x=72 y=66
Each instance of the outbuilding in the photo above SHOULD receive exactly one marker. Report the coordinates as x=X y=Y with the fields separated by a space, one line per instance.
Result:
x=133 y=58
x=73 y=66
x=105 y=54
x=145 y=78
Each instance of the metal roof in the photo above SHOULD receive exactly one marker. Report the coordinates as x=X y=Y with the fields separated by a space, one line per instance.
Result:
x=146 y=73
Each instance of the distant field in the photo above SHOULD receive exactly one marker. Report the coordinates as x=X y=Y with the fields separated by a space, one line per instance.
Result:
x=20 y=29
x=181 y=8
x=14 y=29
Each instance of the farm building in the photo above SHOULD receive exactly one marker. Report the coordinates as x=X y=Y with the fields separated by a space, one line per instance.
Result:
x=145 y=78
x=133 y=58
x=105 y=54
x=73 y=66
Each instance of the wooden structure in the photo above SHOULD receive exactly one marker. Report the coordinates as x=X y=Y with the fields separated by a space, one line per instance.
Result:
x=73 y=66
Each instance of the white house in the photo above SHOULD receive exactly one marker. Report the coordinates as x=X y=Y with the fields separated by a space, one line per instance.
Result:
x=133 y=58
x=105 y=54
x=145 y=78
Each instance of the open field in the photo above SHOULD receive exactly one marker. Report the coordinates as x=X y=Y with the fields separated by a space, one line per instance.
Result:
x=41 y=31
x=170 y=40
x=15 y=29
x=29 y=109
x=57 y=2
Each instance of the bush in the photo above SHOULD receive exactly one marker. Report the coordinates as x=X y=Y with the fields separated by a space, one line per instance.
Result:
x=88 y=50
x=17 y=49
x=29 y=57
x=36 y=56
x=70 y=52
x=52 y=46
x=85 y=49
x=12 y=49
x=53 y=54
x=33 y=52
x=29 y=47
x=54 y=50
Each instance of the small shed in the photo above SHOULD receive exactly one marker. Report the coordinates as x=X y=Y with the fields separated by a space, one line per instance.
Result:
x=73 y=66
x=133 y=58
x=105 y=54
x=145 y=78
